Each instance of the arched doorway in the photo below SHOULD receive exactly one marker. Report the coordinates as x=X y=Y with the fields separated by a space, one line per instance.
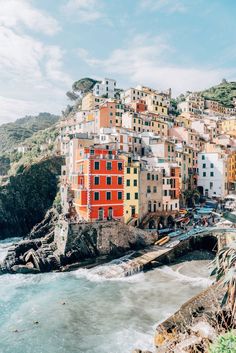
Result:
x=110 y=213
x=161 y=223
x=152 y=224
x=101 y=214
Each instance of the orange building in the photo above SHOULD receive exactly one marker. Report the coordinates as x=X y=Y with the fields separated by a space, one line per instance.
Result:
x=108 y=116
x=98 y=185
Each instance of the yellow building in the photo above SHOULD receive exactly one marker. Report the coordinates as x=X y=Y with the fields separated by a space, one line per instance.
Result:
x=131 y=187
x=231 y=163
x=157 y=104
x=185 y=120
x=90 y=102
x=227 y=125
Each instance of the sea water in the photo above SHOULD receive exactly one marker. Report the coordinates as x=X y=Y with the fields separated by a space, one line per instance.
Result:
x=89 y=311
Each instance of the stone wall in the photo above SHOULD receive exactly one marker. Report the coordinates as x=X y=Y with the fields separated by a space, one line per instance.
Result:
x=90 y=240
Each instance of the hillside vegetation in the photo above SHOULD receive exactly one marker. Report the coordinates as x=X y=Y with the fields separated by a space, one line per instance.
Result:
x=25 y=199
x=13 y=134
x=223 y=93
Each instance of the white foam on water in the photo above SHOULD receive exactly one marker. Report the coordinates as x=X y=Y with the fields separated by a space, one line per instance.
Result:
x=194 y=281
x=4 y=246
x=107 y=273
x=115 y=270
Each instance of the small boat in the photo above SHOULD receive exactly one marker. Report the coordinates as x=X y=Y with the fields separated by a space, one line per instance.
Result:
x=162 y=241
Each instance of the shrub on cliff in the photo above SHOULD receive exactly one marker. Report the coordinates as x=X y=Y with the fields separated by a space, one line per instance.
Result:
x=225 y=343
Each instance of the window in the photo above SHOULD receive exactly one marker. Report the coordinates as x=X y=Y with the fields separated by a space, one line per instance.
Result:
x=148 y=189
x=135 y=171
x=212 y=174
x=96 y=196
x=109 y=166
x=119 y=195
x=148 y=176
x=212 y=165
x=154 y=189
x=108 y=195
x=204 y=174
x=127 y=182
x=204 y=165
x=119 y=180
x=96 y=165
x=203 y=157
x=211 y=185
x=108 y=180
x=128 y=196
x=156 y=177
x=96 y=180
x=136 y=196
x=128 y=170
x=92 y=152
x=135 y=182
x=153 y=176
x=120 y=167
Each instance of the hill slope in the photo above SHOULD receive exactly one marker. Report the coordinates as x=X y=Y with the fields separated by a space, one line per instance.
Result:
x=223 y=93
x=13 y=134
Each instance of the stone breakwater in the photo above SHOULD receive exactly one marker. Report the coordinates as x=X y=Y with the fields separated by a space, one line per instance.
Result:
x=75 y=245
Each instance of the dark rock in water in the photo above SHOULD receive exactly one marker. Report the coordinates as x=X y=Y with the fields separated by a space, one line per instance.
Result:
x=31 y=256
x=24 y=269
x=25 y=200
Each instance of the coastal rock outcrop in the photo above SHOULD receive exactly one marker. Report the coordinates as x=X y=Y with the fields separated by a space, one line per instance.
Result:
x=77 y=244
x=194 y=325
x=25 y=199
x=91 y=240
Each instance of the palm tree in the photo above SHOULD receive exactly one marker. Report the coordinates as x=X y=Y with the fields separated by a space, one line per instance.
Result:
x=225 y=271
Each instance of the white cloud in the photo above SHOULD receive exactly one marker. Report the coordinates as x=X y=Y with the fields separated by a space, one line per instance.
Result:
x=146 y=61
x=84 y=10
x=32 y=78
x=163 y=5
x=31 y=74
x=18 y=13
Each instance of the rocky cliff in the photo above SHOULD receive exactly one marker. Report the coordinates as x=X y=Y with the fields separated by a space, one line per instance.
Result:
x=25 y=199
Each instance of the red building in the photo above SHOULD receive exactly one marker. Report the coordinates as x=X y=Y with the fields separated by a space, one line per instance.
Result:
x=98 y=185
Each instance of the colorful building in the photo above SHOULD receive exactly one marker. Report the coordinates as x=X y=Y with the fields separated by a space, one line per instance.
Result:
x=131 y=188
x=98 y=184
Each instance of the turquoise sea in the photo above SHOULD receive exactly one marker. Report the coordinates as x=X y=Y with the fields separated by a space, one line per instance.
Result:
x=85 y=312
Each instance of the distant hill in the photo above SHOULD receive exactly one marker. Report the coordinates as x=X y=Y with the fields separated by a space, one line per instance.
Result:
x=223 y=93
x=13 y=134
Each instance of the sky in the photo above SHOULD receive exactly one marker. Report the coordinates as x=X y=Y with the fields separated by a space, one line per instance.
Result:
x=46 y=45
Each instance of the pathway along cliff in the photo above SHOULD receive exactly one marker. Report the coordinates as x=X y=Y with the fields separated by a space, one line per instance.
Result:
x=26 y=198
